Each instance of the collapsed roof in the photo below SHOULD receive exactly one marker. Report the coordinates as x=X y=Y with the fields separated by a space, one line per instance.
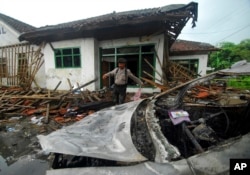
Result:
x=170 y=19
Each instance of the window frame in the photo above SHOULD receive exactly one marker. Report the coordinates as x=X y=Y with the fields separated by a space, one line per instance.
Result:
x=3 y=67
x=63 y=55
x=138 y=51
x=196 y=60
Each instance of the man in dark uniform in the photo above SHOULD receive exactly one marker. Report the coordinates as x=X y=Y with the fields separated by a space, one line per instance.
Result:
x=121 y=74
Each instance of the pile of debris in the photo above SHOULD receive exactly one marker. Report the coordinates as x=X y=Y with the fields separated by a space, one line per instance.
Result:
x=18 y=101
x=26 y=113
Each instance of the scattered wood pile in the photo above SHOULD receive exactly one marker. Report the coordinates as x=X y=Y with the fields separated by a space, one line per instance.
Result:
x=177 y=74
x=62 y=107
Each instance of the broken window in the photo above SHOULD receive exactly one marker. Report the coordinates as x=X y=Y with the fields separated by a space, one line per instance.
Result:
x=3 y=67
x=67 y=58
x=140 y=60
x=190 y=64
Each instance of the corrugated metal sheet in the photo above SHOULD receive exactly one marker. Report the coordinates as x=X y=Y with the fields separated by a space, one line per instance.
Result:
x=239 y=68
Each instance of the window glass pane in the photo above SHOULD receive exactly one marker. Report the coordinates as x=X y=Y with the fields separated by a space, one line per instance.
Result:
x=128 y=50
x=58 y=62
x=67 y=51
x=76 y=51
x=67 y=61
x=108 y=59
x=3 y=67
x=149 y=48
x=108 y=51
x=77 y=62
x=58 y=52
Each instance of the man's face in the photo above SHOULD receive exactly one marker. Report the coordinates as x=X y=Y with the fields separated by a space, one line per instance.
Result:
x=121 y=65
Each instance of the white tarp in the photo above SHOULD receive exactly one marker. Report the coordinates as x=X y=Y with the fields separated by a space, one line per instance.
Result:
x=104 y=134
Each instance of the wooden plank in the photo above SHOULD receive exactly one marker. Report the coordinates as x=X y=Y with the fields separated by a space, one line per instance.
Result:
x=162 y=87
x=151 y=76
x=76 y=89
x=46 y=120
x=58 y=84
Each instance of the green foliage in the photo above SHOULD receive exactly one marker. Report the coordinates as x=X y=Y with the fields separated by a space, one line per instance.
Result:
x=240 y=82
x=229 y=54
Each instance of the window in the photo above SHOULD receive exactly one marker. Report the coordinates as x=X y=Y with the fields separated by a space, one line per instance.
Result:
x=3 y=67
x=140 y=60
x=22 y=65
x=67 y=58
x=191 y=64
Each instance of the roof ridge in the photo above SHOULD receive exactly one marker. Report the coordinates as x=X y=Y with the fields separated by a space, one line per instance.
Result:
x=161 y=9
x=16 y=24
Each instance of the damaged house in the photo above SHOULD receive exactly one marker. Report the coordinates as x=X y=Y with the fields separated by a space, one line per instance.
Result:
x=191 y=55
x=91 y=47
x=85 y=49
x=194 y=127
x=19 y=61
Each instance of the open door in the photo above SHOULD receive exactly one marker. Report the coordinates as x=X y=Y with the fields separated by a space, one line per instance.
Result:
x=108 y=64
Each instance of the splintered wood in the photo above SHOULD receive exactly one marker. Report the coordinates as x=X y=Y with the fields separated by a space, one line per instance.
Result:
x=19 y=64
x=177 y=75
x=59 y=106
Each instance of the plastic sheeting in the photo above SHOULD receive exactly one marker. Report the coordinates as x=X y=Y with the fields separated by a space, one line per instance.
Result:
x=104 y=134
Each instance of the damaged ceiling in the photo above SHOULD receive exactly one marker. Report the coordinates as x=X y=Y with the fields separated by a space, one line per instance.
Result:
x=170 y=19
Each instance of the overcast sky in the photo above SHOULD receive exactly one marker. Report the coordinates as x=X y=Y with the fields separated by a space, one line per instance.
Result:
x=218 y=20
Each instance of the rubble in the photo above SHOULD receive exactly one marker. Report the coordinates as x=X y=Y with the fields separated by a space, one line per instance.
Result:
x=26 y=113
x=187 y=122
x=176 y=128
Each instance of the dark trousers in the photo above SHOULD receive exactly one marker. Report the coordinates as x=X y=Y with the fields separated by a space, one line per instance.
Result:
x=119 y=93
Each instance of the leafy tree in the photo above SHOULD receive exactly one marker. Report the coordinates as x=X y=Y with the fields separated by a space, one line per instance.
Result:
x=229 y=53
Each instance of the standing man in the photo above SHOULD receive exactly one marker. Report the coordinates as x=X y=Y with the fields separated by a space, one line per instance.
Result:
x=121 y=74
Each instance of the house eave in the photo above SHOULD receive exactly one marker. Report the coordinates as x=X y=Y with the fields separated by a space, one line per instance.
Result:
x=170 y=20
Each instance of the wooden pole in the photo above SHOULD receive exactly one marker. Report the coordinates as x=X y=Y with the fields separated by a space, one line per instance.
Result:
x=76 y=89
x=162 y=76
x=151 y=76
x=58 y=84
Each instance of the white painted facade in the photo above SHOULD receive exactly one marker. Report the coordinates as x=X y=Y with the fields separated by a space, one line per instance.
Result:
x=8 y=36
x=48 y=76
x=90 y=61
x=87 y=72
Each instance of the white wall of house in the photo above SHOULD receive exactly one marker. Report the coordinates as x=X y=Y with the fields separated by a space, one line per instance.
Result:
x=202 y=66
x=90 y=64
x=82 y=75
x=8 y=35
